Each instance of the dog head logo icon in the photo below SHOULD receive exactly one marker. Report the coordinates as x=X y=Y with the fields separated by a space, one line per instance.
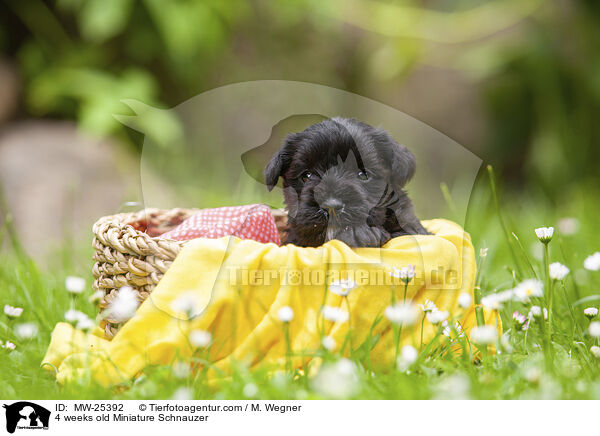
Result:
x=26 y=415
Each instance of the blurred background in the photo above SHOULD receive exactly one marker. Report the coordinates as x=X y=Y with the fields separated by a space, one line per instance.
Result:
x=516 y=82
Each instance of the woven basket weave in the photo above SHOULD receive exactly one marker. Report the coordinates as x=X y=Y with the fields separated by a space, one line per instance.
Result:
x=130 y=252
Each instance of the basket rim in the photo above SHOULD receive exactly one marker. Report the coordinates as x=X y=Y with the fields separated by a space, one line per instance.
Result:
x=117 y=233
x=124 y=219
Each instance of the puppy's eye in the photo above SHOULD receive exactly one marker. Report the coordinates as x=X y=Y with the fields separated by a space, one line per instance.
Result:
x=306 y=176
x=362 y=175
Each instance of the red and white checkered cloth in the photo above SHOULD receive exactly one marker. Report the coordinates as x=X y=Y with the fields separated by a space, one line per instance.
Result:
x=253 y=221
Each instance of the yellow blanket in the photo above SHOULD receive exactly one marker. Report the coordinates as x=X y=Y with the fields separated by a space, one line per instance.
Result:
x=236 y=288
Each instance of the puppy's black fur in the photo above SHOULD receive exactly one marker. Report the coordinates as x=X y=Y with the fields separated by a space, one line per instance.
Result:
x=343 y=179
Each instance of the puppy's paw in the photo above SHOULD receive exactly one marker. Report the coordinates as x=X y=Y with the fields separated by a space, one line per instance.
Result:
x=363 y=236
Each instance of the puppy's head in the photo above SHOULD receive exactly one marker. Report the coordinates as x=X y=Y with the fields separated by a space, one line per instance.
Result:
x=339 y=178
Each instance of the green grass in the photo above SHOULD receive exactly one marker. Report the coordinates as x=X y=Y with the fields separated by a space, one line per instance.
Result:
x=559 y=365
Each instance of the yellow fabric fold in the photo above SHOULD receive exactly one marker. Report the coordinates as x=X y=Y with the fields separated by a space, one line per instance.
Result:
x=237 y=287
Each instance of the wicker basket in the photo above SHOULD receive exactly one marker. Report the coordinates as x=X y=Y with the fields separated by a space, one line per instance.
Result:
x=130 y=252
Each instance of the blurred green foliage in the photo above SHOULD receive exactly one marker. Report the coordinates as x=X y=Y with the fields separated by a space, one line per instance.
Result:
x=535 y=64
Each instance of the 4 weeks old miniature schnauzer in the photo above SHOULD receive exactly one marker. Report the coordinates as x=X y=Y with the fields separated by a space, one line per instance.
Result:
x=343 y=179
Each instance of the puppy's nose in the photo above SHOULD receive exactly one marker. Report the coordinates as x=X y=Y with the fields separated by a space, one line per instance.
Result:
x=332 y=204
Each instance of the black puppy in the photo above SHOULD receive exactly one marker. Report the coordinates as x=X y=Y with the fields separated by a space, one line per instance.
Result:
x=343 y=179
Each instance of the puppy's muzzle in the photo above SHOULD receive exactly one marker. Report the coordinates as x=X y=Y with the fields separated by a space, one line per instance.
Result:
x=332 y=207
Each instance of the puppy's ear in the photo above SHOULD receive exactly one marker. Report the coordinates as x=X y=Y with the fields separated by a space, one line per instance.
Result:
x=404 y=165
x=281 y=161
x=401 y=163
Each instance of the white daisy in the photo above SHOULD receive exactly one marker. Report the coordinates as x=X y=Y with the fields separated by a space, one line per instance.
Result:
x=408 y=356
x=496 y=301
x=404 y=313
x=446 y=328
x=558 y=271
x=592 y=262
x=183 y=394
x=544 y=234
x=200 y=338
x=409 y=353
x=484 y=334
x=186 y=303
x=428 y=306
x=537 y=311
x=285 y=314
x=454 y=387
x=335 y=314
x=491 y=302
x=505 y=296
x=73 y=316
x=519 y=318
x=406 y=273
x=447 y=331
x=85 y=324
x=337 y=380
x=594 y=329
x=74 y=285
x=464 y=300
x=527 y=289
x=250 y=390
x=532 y=375
x=26 y=330
x=342 y=287
x=590 y=312
x=328 y=343
x=595 y=350
x=12 y=312
x=123 y=307
x=96 y=297
x=8 y=346
x=437 y=316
